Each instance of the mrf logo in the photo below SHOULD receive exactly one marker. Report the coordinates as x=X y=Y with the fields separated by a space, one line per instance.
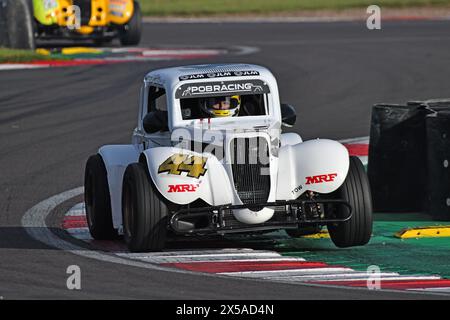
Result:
x=321 y=178
x=183 y=187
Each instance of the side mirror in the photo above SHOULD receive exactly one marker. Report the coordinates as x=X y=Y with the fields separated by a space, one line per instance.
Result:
x=288 y=115
x=155 y=121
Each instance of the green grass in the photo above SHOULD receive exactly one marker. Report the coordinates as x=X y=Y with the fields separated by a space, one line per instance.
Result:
x=14 y=55
x=211 y=7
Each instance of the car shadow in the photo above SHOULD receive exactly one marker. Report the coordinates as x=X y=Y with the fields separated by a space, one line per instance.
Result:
x=20 y=238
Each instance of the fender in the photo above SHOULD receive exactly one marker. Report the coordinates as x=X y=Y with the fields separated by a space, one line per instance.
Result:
x=315 y=165
x=290 y=138
x=116 y=159
x=182 y=181
x=45 y=14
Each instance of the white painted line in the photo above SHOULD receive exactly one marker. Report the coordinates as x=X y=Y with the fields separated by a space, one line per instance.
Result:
x=332 y=276
x=124 y=50
x=76 y=231
x=176 y=259
x=181 y=52
x=243 y=50
x=229 y=251
x=20 y=66
x=227 y=255
x=287 y=272
x=205 y=256
x=363 y=140
x=406 y=278
x=76 y=213
x=173 y=257
x=77 y=210
x=442 y=289
x=34 y=223
x=79 y=206
x=80 y=233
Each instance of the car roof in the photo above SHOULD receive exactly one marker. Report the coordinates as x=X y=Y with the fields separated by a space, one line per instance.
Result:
x=172 y=76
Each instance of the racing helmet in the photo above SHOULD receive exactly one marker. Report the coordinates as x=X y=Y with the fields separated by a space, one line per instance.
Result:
x=226 y=106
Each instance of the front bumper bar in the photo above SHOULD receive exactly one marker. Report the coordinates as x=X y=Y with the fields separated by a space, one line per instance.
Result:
x=293 y=217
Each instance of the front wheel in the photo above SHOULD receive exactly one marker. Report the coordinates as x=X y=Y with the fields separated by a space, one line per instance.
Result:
x=356 y=191
x=130 y=35
x=144 y=212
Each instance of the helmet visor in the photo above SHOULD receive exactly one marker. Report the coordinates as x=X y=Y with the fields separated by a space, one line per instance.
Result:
x=223 y=103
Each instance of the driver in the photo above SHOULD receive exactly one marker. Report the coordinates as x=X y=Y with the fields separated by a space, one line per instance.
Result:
x=216 y=107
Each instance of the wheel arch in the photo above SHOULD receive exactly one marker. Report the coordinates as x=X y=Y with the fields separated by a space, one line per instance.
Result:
x=213 y=187
x=116 y=159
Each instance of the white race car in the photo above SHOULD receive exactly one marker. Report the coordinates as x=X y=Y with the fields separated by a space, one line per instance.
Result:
x=208 y=157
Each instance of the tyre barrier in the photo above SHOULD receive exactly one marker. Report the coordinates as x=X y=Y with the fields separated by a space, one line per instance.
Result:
x=16 y=26
x=438 y=159
x=4 y=39
x=409 y=157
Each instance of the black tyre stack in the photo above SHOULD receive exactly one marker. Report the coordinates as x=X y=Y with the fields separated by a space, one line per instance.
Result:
x=397 y=146
x=437 y=124
x=409 y=158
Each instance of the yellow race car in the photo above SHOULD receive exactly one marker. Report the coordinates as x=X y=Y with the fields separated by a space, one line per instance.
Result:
x=99 y=20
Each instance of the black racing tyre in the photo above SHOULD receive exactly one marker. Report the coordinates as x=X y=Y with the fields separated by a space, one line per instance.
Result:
x=303 y=231
x=97 y=200
x=144 y=213
x=19 y=14
x=356 y=191
x=131 y=33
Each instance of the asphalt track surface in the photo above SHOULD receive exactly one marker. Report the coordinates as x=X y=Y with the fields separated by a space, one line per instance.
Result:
x=51 y=120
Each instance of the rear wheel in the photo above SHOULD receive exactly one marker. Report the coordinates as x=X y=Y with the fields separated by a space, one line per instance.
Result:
x=144 y=212
x=130 y=35
x=356 y=191
x=97 y=200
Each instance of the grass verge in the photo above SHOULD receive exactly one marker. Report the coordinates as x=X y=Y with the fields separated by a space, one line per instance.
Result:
x=218 y=7
x=17 y=56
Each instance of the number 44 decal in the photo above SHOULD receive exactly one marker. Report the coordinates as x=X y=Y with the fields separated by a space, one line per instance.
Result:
x=178 y=163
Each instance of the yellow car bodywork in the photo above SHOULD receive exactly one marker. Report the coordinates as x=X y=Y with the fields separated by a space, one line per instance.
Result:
x=102 y=13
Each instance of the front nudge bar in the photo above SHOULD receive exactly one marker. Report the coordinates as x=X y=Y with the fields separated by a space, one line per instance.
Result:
x=294 y=215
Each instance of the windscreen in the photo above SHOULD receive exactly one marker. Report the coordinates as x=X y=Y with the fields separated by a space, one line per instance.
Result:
x=223 y=106
x=223 y=99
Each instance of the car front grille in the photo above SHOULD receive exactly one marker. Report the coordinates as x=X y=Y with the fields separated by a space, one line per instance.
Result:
x=85 y=8
x=250 y=166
